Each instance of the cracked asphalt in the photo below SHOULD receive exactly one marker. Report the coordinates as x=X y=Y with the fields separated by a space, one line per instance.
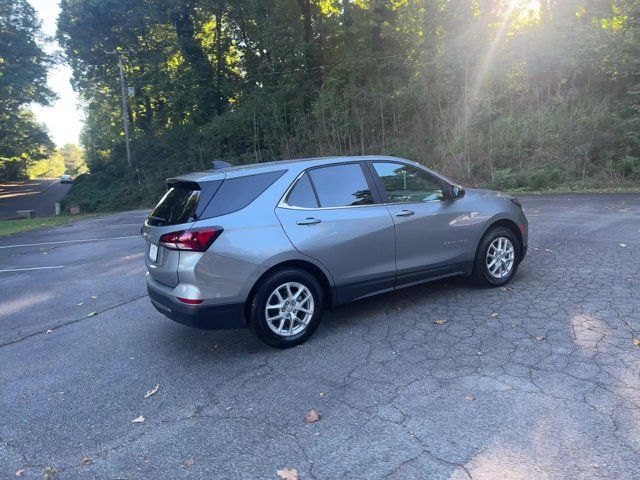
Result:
x=539 y=381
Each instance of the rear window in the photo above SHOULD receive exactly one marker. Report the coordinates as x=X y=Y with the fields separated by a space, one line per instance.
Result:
x=178 y=205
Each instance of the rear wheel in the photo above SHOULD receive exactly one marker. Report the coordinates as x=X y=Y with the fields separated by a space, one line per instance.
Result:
x=497 y=258
x=286 y=308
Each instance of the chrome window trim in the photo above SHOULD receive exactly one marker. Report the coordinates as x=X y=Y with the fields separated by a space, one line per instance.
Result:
x=283 y=204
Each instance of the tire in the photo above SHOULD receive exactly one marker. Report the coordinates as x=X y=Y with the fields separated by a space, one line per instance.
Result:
x=501 y=273
x=305 y=316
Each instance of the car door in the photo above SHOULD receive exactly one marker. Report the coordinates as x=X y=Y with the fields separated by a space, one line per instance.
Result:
x=433 y=231
x=334 y=215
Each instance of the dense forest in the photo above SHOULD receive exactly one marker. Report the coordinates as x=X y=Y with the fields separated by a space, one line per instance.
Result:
x=529 y=94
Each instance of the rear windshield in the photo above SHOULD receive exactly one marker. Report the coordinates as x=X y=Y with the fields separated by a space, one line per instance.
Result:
x=178 y=205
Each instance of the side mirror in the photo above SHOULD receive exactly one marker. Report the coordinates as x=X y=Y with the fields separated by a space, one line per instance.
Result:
x=457 y=192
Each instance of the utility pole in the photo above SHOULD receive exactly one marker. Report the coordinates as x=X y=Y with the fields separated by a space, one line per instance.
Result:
x=125 y=109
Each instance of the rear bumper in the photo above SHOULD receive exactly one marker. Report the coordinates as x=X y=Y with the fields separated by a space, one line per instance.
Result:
x=204 y=317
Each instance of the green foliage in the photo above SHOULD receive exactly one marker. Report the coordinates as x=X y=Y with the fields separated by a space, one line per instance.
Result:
x=23 y=77
x=511 y=98
x=50 y=167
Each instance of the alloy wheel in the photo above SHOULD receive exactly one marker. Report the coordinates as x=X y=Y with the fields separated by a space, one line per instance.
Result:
x=289 y=309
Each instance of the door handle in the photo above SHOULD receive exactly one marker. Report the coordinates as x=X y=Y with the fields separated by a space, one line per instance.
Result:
x=309 y=221
x=405 y=213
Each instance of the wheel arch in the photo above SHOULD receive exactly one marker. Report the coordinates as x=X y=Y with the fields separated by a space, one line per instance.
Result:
x=305 y=265
x=511 y=225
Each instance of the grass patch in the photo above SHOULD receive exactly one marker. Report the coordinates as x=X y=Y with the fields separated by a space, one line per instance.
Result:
x=11 y=227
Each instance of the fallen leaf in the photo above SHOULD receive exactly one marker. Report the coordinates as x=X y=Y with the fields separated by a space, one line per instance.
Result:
x=506 y=289
x=49 y=472
x=92 y=314
x=322 y=394
x=623 y=245
x=139 y=419
x=86 y=460
x=189 y=462
x=494 y=314
x=540 y=338
x=439 y=322
x=636 y=342
x=470 y=397
x=312 y=416
x=49 y=330
x=288 y=474
x=152 y=391
x=20 y=472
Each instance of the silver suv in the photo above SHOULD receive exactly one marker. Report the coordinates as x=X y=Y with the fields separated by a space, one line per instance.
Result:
x=272 y=245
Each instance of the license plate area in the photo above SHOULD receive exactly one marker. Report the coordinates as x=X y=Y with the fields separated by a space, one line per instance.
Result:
x=153 y=252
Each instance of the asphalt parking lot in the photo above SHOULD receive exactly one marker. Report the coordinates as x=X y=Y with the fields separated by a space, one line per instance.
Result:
x=541 y=380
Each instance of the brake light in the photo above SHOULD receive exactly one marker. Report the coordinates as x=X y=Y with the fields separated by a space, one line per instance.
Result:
x=197 y=240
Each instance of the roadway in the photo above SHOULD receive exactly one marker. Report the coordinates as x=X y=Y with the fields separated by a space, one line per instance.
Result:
x=538 y=381
x=39 y=195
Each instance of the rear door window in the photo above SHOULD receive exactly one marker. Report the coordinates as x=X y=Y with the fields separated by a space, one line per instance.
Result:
x=302 y=195
x=341 y=185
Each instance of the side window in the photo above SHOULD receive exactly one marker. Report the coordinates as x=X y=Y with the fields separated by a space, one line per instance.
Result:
x=405 y=183
x=236 y=193
x=341 y=185
x=301 y=195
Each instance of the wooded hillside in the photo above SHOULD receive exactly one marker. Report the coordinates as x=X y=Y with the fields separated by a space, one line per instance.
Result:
x=508 y=94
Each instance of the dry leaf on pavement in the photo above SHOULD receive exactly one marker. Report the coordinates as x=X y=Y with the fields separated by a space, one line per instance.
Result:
x=506 y=289
x=20 y=472
x=139 y=419
x=49 y=330
x=189 y=462
x=86 y=460
x=540 y=338
x=470 y=397
x=288 y=474
x=152 y=391
x=636 y=342
x=312 y=416
x=439 y=322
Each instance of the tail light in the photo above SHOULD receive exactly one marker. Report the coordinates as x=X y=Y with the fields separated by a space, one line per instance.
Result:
x=196 y=240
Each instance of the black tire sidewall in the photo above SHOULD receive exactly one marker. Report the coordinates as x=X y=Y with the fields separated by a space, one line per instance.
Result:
x=481 y=271
x=257 y=320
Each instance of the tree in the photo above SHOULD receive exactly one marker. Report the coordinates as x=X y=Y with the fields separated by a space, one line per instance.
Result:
x=23 y=77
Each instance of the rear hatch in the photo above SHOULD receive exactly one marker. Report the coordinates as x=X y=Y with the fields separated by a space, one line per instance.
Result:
x=184 y=202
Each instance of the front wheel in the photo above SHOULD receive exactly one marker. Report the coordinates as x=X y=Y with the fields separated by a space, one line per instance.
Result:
x=286 y=308
x=497 y=258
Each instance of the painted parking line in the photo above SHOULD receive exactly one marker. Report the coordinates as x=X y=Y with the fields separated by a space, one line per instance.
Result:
x=69 y=241
x=30 y=269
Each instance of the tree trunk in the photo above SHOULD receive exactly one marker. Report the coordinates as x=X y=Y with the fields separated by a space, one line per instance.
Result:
x=197 y=59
